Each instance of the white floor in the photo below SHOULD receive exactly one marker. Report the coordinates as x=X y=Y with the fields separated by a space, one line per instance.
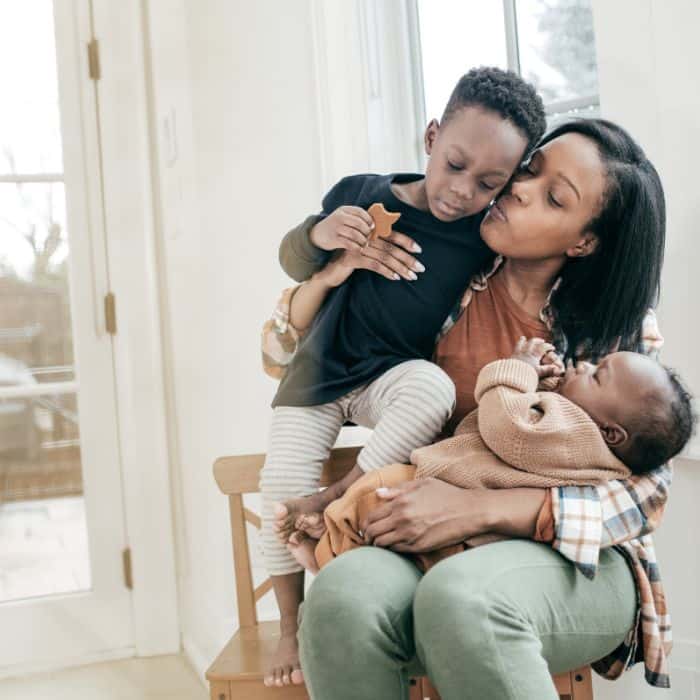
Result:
x=156 y=678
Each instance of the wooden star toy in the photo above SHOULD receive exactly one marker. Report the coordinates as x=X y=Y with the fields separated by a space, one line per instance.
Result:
x=383 y=221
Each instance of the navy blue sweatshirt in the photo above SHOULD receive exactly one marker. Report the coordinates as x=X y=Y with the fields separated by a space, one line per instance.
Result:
x=370 y=324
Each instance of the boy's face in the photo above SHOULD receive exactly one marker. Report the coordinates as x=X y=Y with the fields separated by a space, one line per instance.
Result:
x=471 y=158
x=616 y=389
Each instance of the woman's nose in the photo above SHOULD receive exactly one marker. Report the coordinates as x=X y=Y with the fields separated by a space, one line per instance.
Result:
x=584 y=367
x=519 y=191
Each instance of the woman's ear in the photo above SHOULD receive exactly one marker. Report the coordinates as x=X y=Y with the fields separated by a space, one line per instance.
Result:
x=614 y=434
x=431 y=133
x=587 y=245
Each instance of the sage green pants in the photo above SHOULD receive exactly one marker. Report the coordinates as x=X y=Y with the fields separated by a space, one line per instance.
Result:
x=491 y=623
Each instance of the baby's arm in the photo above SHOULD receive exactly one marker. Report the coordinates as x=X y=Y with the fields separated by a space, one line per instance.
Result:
x=535 y=430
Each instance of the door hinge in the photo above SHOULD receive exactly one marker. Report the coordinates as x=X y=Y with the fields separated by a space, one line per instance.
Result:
x=93 y=49
x=126 y=563
x=111 y=313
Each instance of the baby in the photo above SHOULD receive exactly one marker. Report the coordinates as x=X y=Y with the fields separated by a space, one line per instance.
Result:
x=627 y=415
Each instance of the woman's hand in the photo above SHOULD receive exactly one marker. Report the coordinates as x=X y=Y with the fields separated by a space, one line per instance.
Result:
x=380 y=256
x=349 y=228
x=426 y=514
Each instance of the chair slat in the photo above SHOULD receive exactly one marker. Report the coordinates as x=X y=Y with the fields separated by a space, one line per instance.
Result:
x=245 y=595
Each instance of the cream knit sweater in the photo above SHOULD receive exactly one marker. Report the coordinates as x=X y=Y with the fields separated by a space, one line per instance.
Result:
x=519 y=437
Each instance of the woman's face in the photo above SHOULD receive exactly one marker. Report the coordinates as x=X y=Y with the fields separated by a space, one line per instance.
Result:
x=543 y=215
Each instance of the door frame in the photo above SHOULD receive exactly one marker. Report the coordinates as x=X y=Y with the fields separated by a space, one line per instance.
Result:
x=132 y=260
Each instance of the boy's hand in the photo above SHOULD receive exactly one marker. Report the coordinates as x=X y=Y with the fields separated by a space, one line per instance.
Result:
x=349 y=228
x=540 y=355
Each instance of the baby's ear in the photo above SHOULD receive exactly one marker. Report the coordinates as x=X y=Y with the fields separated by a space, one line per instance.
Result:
x=614 y=434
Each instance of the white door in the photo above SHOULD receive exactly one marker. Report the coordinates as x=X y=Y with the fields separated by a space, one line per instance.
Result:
x=63 y=594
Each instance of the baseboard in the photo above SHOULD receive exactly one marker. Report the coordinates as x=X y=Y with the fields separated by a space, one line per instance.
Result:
x=196 y=658
x=31 y=668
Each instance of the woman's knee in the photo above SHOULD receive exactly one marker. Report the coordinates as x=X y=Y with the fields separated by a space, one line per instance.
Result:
x=357 y=596
x=458 y=604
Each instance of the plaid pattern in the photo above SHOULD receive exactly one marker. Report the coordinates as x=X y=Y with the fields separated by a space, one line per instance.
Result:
x=587 y=519
x=621 y=514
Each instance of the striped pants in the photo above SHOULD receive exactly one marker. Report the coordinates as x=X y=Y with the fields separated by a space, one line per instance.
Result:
x=406 y=407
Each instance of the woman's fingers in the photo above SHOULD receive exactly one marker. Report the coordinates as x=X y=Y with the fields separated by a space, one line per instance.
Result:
x=404 y=241
x=387 y=248
x=367 y=263
x=387 y=259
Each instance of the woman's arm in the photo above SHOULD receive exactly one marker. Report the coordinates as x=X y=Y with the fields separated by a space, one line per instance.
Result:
x=590 y=518
x=426 y=514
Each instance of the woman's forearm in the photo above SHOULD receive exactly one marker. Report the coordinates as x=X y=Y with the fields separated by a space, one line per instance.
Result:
x=307 y=301
x=511 y=512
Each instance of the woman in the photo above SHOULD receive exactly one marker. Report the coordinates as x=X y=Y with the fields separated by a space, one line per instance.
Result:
x=581 y=231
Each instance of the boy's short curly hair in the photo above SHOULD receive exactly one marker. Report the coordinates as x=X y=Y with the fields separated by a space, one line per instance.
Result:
x=662 y=429
x=503 y=92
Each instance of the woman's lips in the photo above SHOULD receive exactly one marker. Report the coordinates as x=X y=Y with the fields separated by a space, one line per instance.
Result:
x=498 y=213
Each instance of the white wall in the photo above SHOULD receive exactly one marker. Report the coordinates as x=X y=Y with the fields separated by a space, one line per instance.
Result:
x=648 y=59
x=236 y=82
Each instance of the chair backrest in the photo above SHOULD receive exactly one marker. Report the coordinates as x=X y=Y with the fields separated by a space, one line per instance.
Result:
x=239 y=475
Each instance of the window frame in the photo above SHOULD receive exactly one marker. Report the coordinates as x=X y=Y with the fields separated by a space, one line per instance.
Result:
x=510 y=14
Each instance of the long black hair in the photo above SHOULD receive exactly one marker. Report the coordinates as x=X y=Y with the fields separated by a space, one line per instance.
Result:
x=603 y=297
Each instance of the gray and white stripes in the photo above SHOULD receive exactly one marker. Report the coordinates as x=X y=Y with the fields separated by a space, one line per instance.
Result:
x=406 y=407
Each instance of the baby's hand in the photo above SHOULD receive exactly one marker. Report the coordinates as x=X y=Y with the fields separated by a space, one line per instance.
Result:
x=540 y=355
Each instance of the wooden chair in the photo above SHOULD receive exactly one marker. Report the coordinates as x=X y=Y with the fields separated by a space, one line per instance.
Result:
x=237 y=672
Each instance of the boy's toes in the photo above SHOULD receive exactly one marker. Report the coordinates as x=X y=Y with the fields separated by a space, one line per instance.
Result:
x=297 y=676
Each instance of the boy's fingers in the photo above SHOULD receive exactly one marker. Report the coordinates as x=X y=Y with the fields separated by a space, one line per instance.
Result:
x=349 y=243
x=361 y=213
x=404 y=241
x=357 y=223
x=352 y=234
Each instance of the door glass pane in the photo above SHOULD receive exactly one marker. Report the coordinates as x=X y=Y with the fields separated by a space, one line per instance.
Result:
x=43 y=537
x=456 y=35
x=30 y=139
x=557 y=48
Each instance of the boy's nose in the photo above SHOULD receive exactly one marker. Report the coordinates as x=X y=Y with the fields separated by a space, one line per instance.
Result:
x=464 y=191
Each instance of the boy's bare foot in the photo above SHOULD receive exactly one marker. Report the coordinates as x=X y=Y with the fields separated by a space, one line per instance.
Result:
x=312 y=524
x=286 y=513
x=302 y=548
x=284 y=667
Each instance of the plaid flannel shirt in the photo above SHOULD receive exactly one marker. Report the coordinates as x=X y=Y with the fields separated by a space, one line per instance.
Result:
x=619 y=514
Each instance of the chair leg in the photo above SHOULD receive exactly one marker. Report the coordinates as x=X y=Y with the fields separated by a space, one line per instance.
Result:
x=582 y=684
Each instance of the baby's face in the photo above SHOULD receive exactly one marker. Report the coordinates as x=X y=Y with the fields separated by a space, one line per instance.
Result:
x=472 y=157
x=616 y=388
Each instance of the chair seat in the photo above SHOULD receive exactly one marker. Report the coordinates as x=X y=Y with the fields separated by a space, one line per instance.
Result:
x=242 y=662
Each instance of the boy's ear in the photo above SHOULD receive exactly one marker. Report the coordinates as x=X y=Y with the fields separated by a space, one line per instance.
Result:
x=587 y=245
x=614 y=434
x=431 y=133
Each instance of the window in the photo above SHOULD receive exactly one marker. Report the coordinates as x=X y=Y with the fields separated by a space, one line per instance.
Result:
x=549 y=42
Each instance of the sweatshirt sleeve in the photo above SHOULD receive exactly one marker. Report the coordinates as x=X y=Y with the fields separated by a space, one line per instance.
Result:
x=534 y=430
x=298 y=256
